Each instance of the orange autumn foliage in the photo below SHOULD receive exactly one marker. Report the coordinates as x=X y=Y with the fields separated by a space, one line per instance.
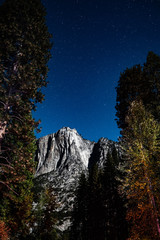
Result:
x=142 y=173
x=4 y=231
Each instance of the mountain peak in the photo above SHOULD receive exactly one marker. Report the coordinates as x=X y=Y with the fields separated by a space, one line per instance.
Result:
x=63 y=156
x=67 y=129
x=57 y=149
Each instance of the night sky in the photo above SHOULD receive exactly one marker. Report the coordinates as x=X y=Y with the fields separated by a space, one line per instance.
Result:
x=94 y=40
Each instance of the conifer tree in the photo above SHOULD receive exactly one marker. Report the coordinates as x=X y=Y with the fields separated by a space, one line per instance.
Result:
x=80 y=213
x=99 y=211
x=141 y=82
x=24 y=53
x=142 y=181
x=114 y=222
x=95 y=209
x=45 y=215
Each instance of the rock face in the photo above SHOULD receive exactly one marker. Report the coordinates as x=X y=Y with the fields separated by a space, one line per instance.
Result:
x=62 y=157
x=61 y=151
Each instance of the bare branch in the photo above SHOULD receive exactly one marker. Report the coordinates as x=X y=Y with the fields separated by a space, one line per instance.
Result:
x=6 y=165
x=18 y=118
x=3 y=183
x=2 y=103
x=1 y=157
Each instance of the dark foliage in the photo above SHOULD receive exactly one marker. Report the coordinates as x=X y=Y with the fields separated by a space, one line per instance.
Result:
x=139 y=83
x=24 y=52
x=99 y=208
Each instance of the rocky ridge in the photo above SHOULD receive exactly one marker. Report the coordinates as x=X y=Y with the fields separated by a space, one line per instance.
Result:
x=62 y=156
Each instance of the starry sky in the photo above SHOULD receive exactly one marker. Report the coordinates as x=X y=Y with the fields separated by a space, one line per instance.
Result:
x=94 y=40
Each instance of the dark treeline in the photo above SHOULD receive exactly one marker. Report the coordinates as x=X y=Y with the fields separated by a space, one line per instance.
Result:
x=99 y=208
x=100 y=211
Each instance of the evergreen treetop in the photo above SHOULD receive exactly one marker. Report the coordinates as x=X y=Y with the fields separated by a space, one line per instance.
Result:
x=141 y=82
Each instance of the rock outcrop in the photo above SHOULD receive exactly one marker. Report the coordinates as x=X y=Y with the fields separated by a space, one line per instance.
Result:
x=62 y=151
x=61 y=157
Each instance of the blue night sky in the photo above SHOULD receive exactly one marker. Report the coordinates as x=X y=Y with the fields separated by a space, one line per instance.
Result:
x=94 y=40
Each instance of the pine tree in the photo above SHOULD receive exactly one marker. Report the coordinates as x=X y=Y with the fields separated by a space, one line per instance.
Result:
x=80 y=213
x=95 y=210
x=142 y=182
x=45 y=215
x=24 y=53
x=114 y=222
x=99 y=208
x=141 y=82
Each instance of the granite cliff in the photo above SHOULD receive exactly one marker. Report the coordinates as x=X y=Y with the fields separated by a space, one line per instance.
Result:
x=61 y=157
